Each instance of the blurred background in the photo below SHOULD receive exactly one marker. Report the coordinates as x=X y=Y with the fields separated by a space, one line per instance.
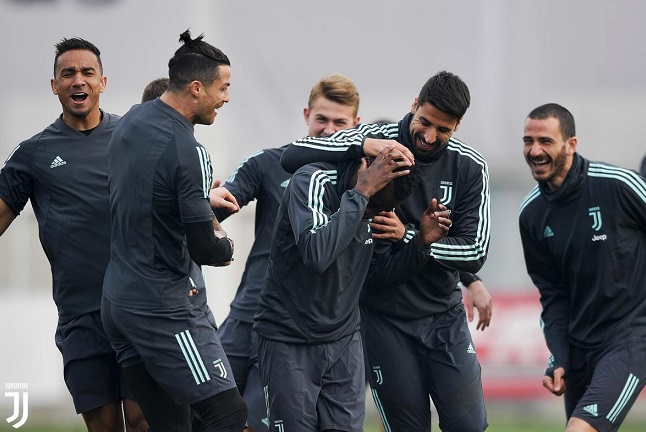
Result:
x=588 y=55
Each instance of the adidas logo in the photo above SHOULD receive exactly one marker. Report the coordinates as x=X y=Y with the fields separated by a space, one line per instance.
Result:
x=471 y=350
x=592 y=409
x=58 y=161
x=548 y=232
x=285 y=183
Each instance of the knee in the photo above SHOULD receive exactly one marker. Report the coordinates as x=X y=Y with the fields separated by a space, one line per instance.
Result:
x=226 y=411
x=105 y=418
x=239 y=411
x=134 y=417
x=475 y=422
x=466 y=427
x=578 y=425
x=138 y=424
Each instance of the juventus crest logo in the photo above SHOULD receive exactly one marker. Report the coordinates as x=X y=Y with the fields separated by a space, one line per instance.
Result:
x=220 y=367
x=379 y=378
x=16 y=403
x=595 y=212
x=447 y=192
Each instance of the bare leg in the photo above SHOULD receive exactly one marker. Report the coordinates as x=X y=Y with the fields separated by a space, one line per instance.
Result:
x=135 y=420
x=578 y=425
x=106 y=418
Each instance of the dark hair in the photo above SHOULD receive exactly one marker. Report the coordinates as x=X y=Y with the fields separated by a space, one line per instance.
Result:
x=194 y=60
x=154 y=89
x=565 y=117
x=403 y=186
x=76 y=44
x=446 y=92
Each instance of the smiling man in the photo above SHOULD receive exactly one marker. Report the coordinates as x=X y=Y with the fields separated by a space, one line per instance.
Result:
x=333 y=105
x=309 y=347
x=414 y=327
x=159 y=178
x=63 y=171
x=584 y=238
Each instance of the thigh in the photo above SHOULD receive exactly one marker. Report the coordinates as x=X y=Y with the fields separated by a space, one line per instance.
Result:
x=253 y=394
x=396 y=372
x=235 y=337
x=93 y=382
x=291 y=376
x=255 y=399
x=455 y=382
x=577 y=378
x=341 y=403
x=618 y=377
x=90 y=368
x=180 y=350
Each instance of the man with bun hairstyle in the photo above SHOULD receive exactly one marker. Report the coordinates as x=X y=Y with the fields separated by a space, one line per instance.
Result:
x=159 y=178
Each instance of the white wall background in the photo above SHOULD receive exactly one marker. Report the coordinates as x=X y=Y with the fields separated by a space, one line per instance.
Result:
x=588 y=55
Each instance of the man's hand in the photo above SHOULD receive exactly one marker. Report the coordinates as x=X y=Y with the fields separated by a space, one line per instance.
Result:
x=224 y=263
x=555 y=385
x=219 y=232
x=477 y=295
x=373 y=146
x=371 y=179
x=220 y=197
x=387 y=226
x=435 y=223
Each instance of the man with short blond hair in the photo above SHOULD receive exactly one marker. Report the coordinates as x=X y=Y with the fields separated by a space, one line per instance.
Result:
x=333 y=105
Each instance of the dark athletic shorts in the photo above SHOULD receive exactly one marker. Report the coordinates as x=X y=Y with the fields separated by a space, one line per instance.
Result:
x=408 y=360
x=240 y=343
x=179 y=348
x=90 y=367
x=311 y=388
x=602 y=385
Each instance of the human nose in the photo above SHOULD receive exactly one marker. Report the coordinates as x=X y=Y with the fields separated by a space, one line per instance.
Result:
x=430 y=135
x=329 y=128
x=78 y=80
x=533 y=148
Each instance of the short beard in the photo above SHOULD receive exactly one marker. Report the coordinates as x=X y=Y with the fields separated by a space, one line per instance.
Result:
x=437 y=146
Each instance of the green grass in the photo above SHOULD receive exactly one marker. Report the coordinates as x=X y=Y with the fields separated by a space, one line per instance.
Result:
x=49 y=428
x=497 y=423
x=503 y=423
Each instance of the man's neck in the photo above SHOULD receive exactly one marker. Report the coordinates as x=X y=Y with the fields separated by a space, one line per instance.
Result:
x=179 y=104
x=90 y=121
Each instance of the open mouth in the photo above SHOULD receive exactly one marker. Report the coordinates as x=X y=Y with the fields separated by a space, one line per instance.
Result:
x=539 y=163
x=424 y=146
x=79 y=97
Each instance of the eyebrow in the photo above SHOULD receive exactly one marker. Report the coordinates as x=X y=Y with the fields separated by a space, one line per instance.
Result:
x=539 y=137
x=74 y=69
